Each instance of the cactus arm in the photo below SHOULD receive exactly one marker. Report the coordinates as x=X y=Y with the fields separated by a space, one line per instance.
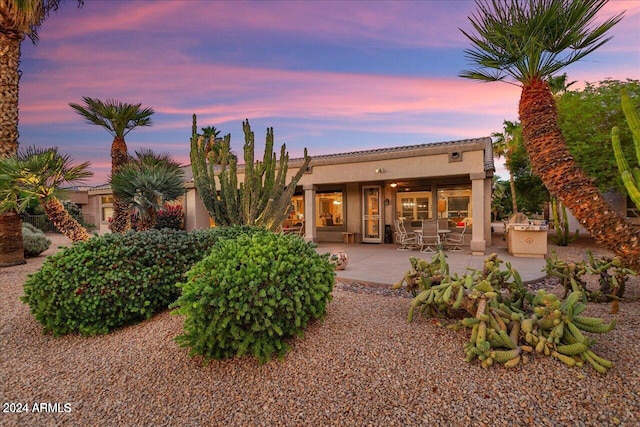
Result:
x=633 y=120
x=621 y=161
x=630 y=178
x=632 y=187
x=203 y=179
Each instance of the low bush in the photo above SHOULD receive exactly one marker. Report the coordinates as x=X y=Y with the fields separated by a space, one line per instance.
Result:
x=252 y=293
x=112 y=280
x=170 y=216
x=34 y=240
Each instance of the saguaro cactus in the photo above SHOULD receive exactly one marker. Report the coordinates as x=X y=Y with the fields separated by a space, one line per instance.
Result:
x=630 y=177
x=262 y=199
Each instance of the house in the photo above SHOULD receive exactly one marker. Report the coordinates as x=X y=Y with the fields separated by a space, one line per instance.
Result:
x=359 y=194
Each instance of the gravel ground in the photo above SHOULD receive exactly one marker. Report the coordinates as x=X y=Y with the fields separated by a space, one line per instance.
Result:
x=363 y=365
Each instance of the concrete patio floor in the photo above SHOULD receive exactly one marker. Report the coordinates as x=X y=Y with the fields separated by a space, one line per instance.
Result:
x=384 y=264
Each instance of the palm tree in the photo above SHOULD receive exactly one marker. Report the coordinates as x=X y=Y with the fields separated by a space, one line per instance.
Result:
x=146 y=182
x=558 y=85
x=505 y=144
x=11 y=203
x=213 y=145
x=37 y=173
x=118 y=119
x=525 y=43
x=18 y=18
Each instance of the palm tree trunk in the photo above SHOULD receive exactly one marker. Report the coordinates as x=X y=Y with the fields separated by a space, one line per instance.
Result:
x=64 y=222
x=512 y=185
x=11 y=246
x=119 y=156
x=149 y=220
x=9 y=82
x=565 y=180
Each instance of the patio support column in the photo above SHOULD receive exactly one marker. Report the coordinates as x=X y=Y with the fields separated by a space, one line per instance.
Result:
x=310 y=213
x=478 y=236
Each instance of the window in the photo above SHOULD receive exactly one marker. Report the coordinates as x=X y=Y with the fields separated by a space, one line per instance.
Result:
x=454 y=203
x=296 y=215
x=106 y=208
x=329 y=209
x=414 y=206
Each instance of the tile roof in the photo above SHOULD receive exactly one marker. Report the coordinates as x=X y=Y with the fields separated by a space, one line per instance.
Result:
x=407 y=150
x=404 y=150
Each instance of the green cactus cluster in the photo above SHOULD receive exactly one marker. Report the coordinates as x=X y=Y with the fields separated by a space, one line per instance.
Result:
x=630 y=176
x=563 y=236
x=263 y=199
x=612 y=276
x=508 y=324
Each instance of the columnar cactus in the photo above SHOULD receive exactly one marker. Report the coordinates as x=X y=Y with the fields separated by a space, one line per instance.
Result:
x=263 y=199
x=630 y=177
x=563 y=237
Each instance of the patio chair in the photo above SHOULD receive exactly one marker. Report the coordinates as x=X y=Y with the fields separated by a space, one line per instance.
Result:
x=407 y=241
x=428 y=236
x=455 y=240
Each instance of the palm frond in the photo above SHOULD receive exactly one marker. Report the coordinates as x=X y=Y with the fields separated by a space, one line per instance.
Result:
x=147 y=181
x=37 y=173
x=26 y=16
x=532 y=39
x=118 y=118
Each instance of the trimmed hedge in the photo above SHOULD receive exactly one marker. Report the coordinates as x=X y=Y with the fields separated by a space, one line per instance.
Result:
x=252 y=293
x=112 y=280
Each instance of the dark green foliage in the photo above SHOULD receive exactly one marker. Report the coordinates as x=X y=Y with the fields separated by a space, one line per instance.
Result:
x=34 y=240
x=586 y=118
x=252 y=293
x=530 y=190
x=108 y=281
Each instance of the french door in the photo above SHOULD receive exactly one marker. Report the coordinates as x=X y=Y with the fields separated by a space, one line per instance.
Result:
x=372 y=214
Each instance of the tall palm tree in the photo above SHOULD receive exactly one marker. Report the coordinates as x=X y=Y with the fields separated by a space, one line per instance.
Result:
x=146 y=182
x=37 y=173
x=505 y=144
x=118 y=119
x=18 y=18
x=525 y=43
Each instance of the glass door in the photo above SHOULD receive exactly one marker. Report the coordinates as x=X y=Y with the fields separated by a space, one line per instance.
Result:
x=371 y=214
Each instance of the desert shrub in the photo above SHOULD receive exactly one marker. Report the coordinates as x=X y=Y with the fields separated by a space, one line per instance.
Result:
x=108 y=281
x=170 y=216
x=252 y=293
x=34 y=240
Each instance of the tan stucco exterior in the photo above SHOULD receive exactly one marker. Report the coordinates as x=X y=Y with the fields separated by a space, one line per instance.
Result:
x=431 y=167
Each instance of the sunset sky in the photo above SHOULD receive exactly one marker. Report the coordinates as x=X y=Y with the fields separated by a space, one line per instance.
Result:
x=330 y=76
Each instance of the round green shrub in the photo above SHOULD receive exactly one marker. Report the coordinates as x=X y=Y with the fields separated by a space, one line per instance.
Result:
x=252 y=293
x=34 y=240
x=112 y=280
